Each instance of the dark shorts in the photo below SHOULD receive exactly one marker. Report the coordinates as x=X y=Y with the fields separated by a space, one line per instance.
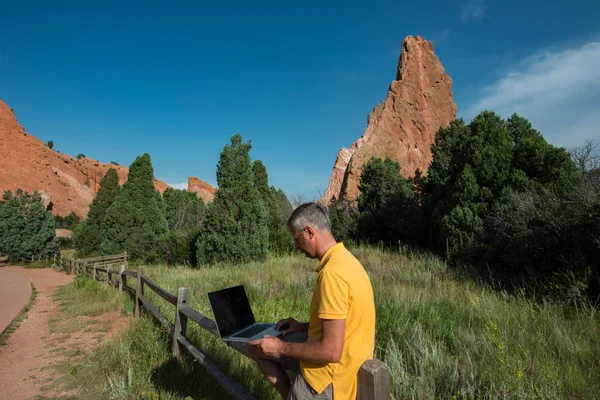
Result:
x=301 y=390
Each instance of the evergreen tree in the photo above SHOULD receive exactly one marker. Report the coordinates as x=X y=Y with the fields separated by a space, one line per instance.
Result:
x=136 y=218
x=68 y=222
x=388 y=211
x=235 y=228
x=280 y=241
x=184 y=210
x=26 y=227
x=488 y=170
x=87 y=237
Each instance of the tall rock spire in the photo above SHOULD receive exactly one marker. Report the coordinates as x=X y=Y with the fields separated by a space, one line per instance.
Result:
x=404 y=125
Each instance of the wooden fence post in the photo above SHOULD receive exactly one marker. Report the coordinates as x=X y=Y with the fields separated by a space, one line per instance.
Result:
x=122 y=278
x=54 y=261
x=183 y=295
x=94 y=275
x=39 y=257
x=32 y=259
x=125 y=257
x=109 y=274
x=373 y=381
x=139 y=289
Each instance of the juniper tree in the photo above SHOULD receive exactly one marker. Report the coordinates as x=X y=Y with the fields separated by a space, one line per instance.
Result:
x=136 y=218
x=280 y=241
x=87 y=237
x=26 y=227
x=235 y=228
x=184 y=210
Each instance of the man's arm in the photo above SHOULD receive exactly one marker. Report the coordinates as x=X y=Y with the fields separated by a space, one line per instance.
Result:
x=328 y=349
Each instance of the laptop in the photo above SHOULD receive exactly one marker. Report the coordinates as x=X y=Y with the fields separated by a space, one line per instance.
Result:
x=234 y=318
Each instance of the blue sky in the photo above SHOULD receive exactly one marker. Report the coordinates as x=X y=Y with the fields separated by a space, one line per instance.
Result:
x=113 y=80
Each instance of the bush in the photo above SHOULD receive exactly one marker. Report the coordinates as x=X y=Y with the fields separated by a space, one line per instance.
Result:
x=80 y=156
x=178 y=247
x=50 y=144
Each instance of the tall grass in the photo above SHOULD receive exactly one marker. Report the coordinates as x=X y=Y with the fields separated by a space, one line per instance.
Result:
x=441 y=337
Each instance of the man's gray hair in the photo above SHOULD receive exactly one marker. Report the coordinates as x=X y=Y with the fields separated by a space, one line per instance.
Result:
x=310 y=214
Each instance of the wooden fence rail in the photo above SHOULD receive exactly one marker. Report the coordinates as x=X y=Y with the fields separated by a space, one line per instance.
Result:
x=373 y=376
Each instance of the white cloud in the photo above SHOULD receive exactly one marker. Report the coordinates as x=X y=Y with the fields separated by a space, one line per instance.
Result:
x=474 y=9
x=182 y=185
x=557 y=91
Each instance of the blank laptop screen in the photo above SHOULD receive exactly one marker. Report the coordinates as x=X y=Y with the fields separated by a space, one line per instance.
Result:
x=231 y=309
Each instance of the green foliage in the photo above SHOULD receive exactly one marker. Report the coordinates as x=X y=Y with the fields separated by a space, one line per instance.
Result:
x=387 y=206
x=136 y=218
x=342 y=217
x=87 y=237
x=178 y=247
x=64 y=242
x=80 y=156
x=183 y=210
x=278 y=209
x=69 y=222
x=114 y=163
x=499 y=197
x=50 y=144
x=26 y=227
x=235 y=228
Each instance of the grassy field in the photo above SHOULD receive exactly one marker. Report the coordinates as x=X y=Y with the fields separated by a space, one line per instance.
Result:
x=442 y=337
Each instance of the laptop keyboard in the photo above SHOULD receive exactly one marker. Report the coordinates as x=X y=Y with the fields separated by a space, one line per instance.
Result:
x=248 y=333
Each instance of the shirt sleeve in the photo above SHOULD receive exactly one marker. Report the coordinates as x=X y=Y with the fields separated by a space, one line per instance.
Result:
x=334 y=297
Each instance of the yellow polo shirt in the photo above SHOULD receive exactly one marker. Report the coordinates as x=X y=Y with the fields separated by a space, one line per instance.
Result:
x=343 y=292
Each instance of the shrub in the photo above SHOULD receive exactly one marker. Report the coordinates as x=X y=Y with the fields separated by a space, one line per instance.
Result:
x=80 y=156
x=50 y=144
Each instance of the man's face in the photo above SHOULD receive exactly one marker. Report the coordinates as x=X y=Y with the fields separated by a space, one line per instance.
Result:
x=303 y=241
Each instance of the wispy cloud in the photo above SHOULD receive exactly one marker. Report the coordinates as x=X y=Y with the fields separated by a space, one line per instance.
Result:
x=182 y=185
x=445 y=34
x=474 y=9
x=557 y=91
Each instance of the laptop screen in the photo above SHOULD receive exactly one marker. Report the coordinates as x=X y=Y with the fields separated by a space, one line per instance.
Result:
x=231 y=309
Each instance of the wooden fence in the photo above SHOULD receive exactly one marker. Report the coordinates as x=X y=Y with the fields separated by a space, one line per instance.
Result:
x=373 y=376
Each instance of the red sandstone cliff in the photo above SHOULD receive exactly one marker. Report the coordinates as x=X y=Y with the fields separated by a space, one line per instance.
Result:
x=202 y=189
x=71 y=184
x=404 y=125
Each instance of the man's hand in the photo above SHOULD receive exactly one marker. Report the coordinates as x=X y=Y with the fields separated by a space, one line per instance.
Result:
x=268 y=347
x=291 y=325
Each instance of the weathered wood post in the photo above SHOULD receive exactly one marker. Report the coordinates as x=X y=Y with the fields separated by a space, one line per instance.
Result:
x=125 y=257
x=32 y=259
x=109 y=274
x=139 y=290
x=122 y=278
x=54 y=261
x=183 y=296
x=95 y=273
x=373 y=381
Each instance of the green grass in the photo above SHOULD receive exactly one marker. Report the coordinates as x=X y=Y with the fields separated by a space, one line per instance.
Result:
x=441 y=337
x=14 y=324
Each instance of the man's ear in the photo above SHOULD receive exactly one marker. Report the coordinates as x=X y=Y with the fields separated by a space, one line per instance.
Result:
x=310 y=231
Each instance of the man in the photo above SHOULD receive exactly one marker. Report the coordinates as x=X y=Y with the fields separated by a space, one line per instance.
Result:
x=340 y=335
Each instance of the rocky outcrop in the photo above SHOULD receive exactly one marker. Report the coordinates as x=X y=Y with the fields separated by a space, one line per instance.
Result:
x=68 y=184
x=404 y=125
x=202 y=189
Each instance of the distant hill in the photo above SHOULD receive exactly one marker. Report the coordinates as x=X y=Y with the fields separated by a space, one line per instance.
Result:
x=70 y=184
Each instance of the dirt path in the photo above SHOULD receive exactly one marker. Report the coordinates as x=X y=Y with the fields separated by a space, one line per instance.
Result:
x=27 y=359
x=15 y=291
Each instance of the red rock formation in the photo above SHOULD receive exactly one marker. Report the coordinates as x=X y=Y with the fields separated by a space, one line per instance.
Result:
x=404 y=125
x=27 y=163
x=202 y=189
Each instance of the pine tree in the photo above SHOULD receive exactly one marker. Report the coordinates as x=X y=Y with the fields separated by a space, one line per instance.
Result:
x=87 y=237
x=136 y=219
x=26 y=227
x=235 y=228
